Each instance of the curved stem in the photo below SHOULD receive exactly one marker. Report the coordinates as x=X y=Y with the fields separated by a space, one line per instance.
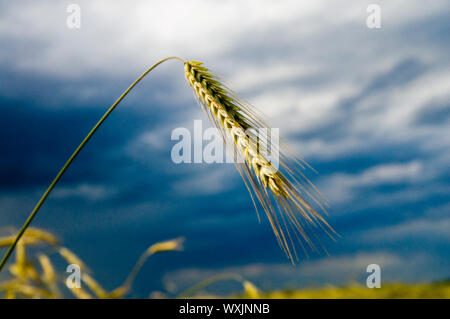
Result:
x=73 y=156
x=137 y=267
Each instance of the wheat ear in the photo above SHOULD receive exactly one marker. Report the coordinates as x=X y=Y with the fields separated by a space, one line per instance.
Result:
x=234 y=119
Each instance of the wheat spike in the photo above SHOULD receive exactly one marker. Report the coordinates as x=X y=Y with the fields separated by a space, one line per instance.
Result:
x=234 y=118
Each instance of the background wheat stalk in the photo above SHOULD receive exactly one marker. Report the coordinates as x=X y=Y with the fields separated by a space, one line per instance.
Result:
x=268 y=184
x=26 y=280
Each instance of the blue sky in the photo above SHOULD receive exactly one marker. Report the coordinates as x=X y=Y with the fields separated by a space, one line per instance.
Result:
x=369 y=109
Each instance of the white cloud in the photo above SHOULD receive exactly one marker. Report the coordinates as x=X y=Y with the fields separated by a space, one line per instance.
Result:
x=134 y=35
x=341 y=187
x=418 y=228
x=402 y=105
x=91 y=192
x=298 y=110
x=388 y=173
x=210 y=181
x=252 y=76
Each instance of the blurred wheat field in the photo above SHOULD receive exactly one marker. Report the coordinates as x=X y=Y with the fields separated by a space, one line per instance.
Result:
x=33 y=275
x=440 y=290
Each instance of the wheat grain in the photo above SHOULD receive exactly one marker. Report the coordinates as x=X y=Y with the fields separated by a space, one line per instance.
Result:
x=234 y=118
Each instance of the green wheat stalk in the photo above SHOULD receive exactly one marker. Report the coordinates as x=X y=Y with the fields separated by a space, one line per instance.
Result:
x=72 y=157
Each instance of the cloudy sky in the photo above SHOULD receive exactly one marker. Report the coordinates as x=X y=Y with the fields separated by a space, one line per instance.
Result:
x=369 y=109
